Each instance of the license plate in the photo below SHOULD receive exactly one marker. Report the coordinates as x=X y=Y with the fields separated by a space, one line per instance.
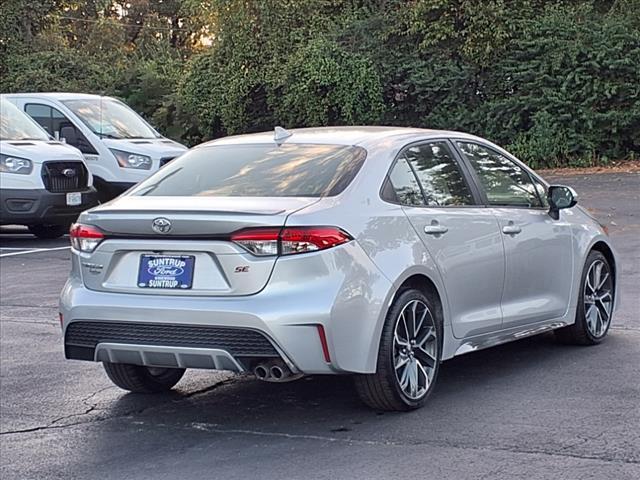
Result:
x=166 y=271
x=74 y=198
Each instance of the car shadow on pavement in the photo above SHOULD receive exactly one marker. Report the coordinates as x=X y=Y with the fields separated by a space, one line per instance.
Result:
x=326 y=405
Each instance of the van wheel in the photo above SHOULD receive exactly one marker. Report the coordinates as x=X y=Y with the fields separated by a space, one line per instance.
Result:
x=48 y=232
x=408 y=357
x=140 y=379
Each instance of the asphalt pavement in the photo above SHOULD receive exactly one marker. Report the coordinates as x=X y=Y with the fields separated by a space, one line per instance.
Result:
x=533 y=409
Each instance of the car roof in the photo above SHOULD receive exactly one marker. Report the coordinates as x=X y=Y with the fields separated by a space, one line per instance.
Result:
x=354 y=135
x=55 y=95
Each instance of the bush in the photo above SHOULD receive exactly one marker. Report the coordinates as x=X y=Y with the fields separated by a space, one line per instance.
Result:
x=322 y=84
x=557 y=82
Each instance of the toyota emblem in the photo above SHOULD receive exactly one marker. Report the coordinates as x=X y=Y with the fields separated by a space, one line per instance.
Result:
x=69 y=172
x=161 y=225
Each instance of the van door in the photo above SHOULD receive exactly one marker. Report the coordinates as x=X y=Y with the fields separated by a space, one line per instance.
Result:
x=59 y=126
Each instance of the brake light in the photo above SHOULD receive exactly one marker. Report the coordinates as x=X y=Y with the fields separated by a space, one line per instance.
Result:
x=85 y=238
x=289 y=240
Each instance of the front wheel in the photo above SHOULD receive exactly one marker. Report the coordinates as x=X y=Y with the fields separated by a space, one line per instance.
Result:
x=140 y=379
x=595 y=305
x=48 y=232
x=408 y=357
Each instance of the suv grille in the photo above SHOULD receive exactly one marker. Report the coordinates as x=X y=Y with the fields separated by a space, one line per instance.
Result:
x=81 y=338
x=61 y=177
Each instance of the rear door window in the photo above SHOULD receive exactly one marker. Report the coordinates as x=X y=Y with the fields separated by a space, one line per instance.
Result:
x=257 y=171
x=439 y=174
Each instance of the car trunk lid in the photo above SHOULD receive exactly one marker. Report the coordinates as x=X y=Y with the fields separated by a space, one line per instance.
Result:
x=198 y=233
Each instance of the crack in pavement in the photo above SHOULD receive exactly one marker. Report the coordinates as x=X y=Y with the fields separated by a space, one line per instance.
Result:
x=91 y=408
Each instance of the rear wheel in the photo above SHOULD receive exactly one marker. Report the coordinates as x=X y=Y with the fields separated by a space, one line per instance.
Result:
x=48 y=232
x=140 y=379
x=408 y=358
x=595 y=306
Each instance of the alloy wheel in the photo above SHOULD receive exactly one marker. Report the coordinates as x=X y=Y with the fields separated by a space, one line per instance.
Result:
x=598 y=298
x=415 y=349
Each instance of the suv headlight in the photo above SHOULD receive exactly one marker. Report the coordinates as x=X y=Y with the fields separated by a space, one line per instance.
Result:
x=21 y=166
x=132 y=160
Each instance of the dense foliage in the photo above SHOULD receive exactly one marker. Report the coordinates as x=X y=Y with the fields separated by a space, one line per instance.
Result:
x=556 y=81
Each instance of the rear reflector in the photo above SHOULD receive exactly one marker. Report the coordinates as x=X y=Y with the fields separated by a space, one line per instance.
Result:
x=323 y=342
x=85 y=238
x=289 y=240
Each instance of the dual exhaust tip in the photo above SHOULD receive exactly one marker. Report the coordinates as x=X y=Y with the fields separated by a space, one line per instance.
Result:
x=274 y=371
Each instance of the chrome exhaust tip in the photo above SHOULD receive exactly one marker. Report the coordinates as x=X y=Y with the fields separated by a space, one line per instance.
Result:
x=277 y=373
x=261 y=372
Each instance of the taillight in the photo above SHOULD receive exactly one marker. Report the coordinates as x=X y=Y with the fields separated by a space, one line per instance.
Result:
x=289 y=240
x=85 y=238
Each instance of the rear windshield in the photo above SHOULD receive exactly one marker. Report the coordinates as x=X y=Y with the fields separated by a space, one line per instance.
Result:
x=257 y=171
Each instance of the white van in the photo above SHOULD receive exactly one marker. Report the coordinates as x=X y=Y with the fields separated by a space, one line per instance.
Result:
x=119 y=146
x=44 y=184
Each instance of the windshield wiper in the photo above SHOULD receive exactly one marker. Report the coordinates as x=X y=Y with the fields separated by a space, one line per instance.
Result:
x=108 y=135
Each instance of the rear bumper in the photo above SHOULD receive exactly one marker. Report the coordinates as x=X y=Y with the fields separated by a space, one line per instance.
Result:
x=30 y=207
x=339 y=289
x=162 y=344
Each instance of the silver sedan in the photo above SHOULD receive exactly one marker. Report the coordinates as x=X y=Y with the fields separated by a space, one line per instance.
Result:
x=373 y=251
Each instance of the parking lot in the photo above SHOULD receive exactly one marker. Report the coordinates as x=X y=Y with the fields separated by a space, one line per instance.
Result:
x=532 y=409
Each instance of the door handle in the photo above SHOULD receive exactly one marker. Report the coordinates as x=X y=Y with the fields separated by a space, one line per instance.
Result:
x=511 y=229
x=435 y=229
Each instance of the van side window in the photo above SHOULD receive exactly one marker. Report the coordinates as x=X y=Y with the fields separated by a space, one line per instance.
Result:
x=59 y=126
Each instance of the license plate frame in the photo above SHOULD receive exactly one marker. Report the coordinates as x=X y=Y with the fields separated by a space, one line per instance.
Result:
x=166 y=272
x=74 y=199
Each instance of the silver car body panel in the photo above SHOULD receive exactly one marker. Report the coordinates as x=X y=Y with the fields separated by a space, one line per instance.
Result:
x=493 y=287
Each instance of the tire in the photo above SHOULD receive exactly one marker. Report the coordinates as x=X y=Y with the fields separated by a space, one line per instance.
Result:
x=48 y=232
x=591 y=327
x=383 y=390
x=140 y=379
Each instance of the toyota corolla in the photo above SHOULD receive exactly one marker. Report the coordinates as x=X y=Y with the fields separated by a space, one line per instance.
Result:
x=372 y=251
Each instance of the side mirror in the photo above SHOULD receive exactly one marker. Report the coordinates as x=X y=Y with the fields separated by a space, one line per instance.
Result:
x=560 y=197
x=68 y=133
